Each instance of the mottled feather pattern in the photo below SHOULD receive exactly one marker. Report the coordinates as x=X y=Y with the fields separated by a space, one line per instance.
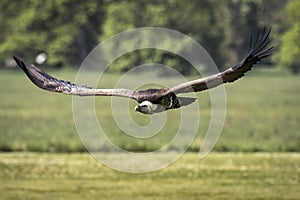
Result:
x=166 y=98
x=44 y=80
x=260 y=49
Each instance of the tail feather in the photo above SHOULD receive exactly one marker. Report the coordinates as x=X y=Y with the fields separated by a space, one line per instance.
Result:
x=184 y=101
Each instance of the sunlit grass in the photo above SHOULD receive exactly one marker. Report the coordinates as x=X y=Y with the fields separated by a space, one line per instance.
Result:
x=218 y=176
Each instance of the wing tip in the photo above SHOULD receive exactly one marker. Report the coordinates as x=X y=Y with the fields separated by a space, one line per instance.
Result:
x=262 y=43
x=17 y=58
x=45 y=81
x=20 y=62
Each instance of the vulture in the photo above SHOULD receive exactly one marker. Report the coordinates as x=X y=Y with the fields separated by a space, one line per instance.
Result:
x=156 y=100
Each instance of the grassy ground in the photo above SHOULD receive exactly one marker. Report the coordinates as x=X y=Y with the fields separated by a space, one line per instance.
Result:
x=262 y=115
x=218 y=176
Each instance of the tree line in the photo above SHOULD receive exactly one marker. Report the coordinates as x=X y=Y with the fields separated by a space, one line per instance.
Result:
x=67 y=30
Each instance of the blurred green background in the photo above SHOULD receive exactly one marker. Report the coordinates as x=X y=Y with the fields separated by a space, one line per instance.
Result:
x=262 y=108
x=68 y=30
x=262 y=115
x=257 y=155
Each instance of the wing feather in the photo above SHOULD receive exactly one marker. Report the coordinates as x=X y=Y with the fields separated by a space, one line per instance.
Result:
x=259 y=50
x=49 y=83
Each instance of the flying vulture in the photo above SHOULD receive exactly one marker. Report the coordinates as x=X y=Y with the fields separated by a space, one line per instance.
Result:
x=156 y=100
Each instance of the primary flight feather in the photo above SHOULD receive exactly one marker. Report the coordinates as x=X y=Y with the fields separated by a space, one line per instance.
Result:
x=156 y=100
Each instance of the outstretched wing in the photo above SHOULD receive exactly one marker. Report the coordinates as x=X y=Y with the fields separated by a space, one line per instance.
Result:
x=260 y=50
x=47 y=82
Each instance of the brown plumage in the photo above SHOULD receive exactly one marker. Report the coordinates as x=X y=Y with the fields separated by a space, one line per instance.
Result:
x=156 y=100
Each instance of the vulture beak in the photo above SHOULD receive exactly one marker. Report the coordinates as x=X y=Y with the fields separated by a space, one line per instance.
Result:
x=136 y=108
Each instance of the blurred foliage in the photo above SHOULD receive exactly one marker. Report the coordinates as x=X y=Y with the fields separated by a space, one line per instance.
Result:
x=290 y=51
x=68 y=30
x=65 y=30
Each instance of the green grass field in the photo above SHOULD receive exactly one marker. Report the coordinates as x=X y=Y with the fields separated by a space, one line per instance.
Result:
x=218 y=176
x=262 y=133
x=262 y=115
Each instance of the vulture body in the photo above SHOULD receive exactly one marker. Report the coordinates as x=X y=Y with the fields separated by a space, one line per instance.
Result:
x=156 y=100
